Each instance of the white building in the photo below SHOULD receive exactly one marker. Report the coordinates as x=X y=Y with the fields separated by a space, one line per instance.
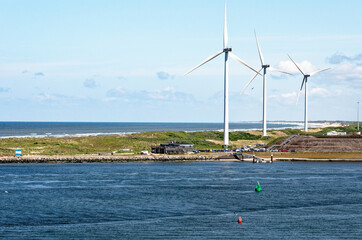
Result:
x=334 y=133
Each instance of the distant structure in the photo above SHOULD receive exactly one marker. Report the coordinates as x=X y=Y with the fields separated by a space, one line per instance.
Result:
x=358 y=116
x=263 y=67
x=173 y=148
x=334 y=133
x=144 y=152
x=305 y=83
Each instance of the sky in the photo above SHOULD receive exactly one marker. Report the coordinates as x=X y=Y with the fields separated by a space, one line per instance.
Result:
x=124 y=61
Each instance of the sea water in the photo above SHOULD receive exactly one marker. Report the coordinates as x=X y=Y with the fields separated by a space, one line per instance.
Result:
x=190 y=200
x=59 y=129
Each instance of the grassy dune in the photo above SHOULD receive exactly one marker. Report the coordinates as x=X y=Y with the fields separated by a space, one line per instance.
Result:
x=112 y=143
x=141 y=141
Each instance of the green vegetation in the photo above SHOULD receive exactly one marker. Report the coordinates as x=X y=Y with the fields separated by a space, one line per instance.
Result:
x=234 y=136
x=274 y=140
x=113 y=143
x=290 y=131
x=348 y=129
x=137 y=142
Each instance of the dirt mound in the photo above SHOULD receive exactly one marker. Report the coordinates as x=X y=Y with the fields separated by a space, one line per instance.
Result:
x=324 y=144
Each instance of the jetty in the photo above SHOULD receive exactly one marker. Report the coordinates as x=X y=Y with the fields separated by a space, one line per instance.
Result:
x=107 y=159
x=245 y=157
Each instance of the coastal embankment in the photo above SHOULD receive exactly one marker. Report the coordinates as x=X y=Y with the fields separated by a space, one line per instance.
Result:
x=109 y=159
x=229 y=157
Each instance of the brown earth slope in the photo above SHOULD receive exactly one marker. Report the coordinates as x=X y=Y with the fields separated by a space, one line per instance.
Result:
x=325 y=144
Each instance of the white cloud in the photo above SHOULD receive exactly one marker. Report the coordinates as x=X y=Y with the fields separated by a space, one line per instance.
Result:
x=316 y=93
x=45 y=97
x=320 y=92
x=169 y=94
x=291 y=95
x=347 y=73
x=116 y=92
x=285 y=98
x=305 y=66
x=57 y=98
x=110 y=99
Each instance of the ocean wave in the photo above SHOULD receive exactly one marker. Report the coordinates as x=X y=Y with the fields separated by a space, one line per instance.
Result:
x=185 y=127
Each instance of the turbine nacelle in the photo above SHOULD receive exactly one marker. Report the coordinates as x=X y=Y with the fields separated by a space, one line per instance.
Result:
x=265 y=66
x=227 y=50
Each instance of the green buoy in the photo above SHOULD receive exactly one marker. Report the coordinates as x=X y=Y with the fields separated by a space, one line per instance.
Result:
x=257 y=187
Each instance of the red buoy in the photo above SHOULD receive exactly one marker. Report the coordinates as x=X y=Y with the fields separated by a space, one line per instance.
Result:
x=240 y=220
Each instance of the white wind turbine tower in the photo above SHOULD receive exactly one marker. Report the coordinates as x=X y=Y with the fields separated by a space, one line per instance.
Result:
x=227 y=50
x=263 y=67
x=305 y=80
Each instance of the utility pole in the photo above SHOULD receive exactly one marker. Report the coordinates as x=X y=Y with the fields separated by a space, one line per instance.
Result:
x=358 y=116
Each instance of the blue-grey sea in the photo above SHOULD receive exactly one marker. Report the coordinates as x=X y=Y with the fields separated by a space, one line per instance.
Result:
x=191 y=200
x=59 y=129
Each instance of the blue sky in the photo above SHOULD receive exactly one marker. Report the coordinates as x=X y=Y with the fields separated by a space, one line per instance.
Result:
x=124 y=60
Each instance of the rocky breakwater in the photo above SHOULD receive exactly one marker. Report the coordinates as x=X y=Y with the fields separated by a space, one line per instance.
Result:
x=106 y=159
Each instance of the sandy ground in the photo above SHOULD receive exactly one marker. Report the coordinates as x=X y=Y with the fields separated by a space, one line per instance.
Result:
x=238 y=143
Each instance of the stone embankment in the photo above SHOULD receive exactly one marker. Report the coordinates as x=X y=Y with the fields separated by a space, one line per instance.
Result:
x=106 y=159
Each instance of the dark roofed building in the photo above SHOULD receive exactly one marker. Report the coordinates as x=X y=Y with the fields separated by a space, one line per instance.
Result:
x=173 y=148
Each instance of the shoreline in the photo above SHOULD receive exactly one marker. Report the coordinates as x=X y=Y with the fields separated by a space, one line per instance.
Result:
x=107 y=148
x=153 y=158
x=295 y=125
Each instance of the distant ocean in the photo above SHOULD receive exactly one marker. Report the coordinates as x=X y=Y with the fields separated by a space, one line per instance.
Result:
x=59 y=129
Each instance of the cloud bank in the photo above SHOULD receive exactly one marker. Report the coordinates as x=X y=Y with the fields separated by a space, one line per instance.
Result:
x=168 y=94
x=164 y=75
x=38 y=74
x=4 y=90
x=89 y=83
x=338 y=58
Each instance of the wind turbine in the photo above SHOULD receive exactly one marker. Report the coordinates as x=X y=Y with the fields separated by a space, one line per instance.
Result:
x=305 y=80
x=263 y=67
x=227 y=50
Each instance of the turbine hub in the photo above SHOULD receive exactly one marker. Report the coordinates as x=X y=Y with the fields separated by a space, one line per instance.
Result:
x=227 y=49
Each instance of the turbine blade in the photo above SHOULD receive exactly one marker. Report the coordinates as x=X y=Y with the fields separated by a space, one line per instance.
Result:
x=247 y=85
x=242 y=62
x=277 y=70
x=207 y=60
x=225 y=30
x=300 y=90
x=296 y=65
x=259 y=50
x=314 y=73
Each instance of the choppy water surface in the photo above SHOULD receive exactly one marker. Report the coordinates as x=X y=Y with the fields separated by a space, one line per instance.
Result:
x=181 y=201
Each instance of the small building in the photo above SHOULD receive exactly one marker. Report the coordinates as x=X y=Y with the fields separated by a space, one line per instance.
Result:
x=334 y=133
x=173 y=148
